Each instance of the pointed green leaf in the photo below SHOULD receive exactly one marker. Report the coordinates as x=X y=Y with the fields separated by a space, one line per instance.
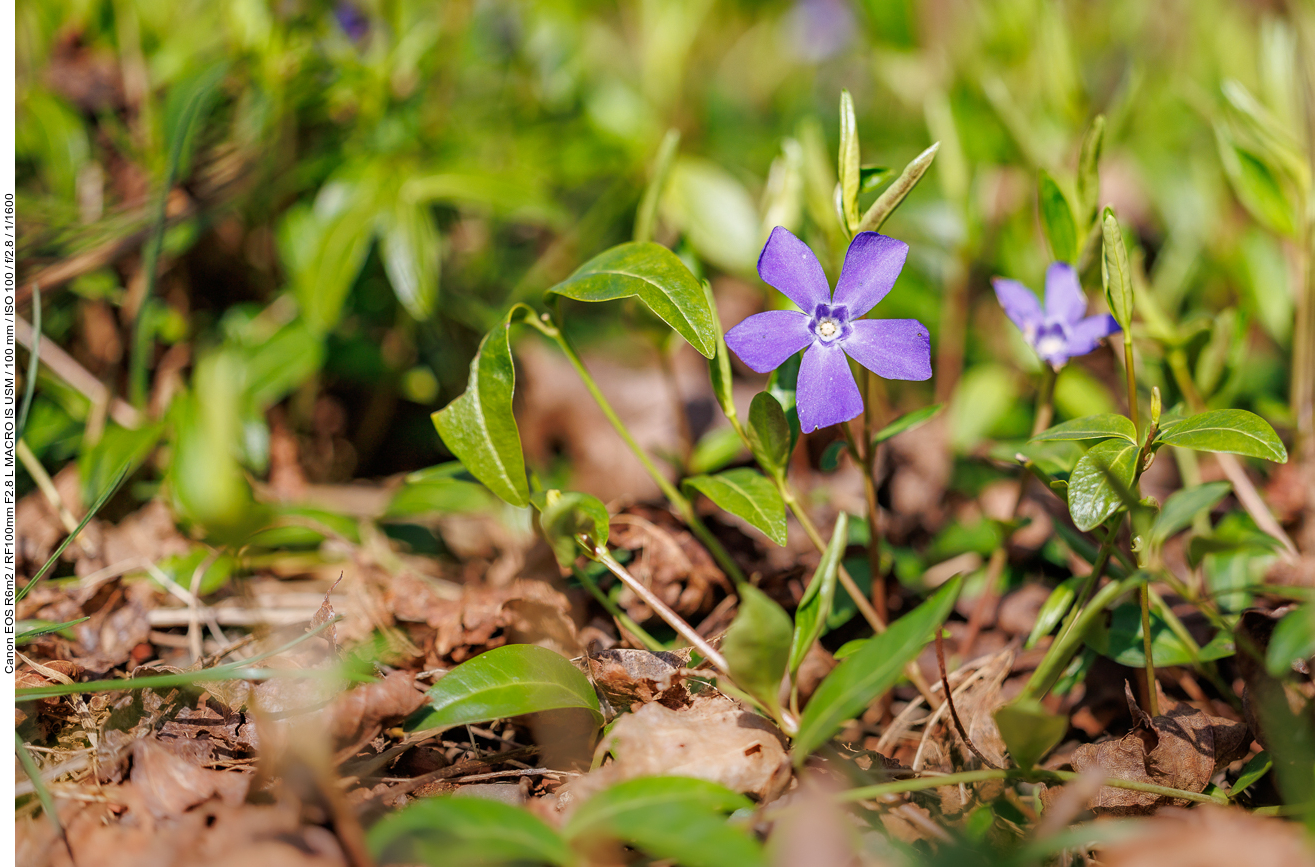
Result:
x=1226 y=430
x=1120 y=639
x=1115 y=273
x=657 y=277
x=479 y=427
x=895 y=194
x=746 y=493
x=815 y=607
x=908 y=421
x=1089 y=171
x=1054 y=608
x=870 y=177
x=1293 y=641
x=677 y=819
x=757 y=646
x=769 y=433
x=1029 y=731
x=410 y=252
x=848 y=167
x=30 y=629
x=870 y=671
x=563 y=515
x=465 y=832
x=1101 y=482
x=504 y=682
x=1057 y=220
x=1253 y=770
x=1183 y=506
x=1092 y=427
x=1258 y=184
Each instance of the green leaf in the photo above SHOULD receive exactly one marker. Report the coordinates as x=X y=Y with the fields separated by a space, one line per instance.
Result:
x=507 y=681
x=1115 y=273
x=757 y=646
x=479 y=427
x=564 y=515
x=908 y=421
x=117 y=448
x=718 y=448
x=1226 y=430
x=657 y=277
x=830 y=460
x=456 y=832
x=1293 y=641
x=1183 y=506
x=1092 y=427
x=1101 y=482
x=870 y=671
x=189 y=101
x=410 y=252
x=769 y=434
x=815 y=606
x=1054 y=609
x=1251 y=772
x=679 y=819
x=1089 y=170
x=870 y=177
x=335 y=251
x=1258 y=184
x=1029 y=730
x=895 y=194
x=746 y=493
x=1057 y=220
x=1121 y=641
x=850 y=173
x=30 y=629
x=715 y=212
x=646 y=215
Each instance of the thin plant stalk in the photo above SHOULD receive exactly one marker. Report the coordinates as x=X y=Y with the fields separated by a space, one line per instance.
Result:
x=684 y=508
x=623 y=619
x=1152 y=694
x=1059 y=654
x=33 y=362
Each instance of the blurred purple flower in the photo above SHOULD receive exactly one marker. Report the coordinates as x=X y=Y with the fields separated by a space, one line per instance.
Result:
x=819 y=29
x=352 y=20
x=831 y=328
x=1062 y=330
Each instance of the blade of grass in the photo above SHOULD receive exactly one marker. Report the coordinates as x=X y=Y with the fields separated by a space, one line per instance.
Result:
x=29 y=634
x=33 y=359
x=43 y=794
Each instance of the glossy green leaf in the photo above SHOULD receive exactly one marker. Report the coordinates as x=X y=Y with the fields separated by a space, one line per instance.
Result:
x=894 y=195
x=1101 y=482
x=1092 y=427
x=746 y=493
x=679 y=819
x=848 y=162
x=1293 y=640
x=1057 y=220
x=507 y=681
x=563 y=515
x=1183 y=506
x=410 y=251
x=465 y=832
x=908 y=421
x=769 y=433
x=1089 y=171
x=757 y=646
x=657 y=277
x=1054 y=608
x=1029 y=731
x=1115 y=272
x=1121 y=640
x=1226 y=430
x=479 y=427
x=815 y=607
x=1252 y=771
x=870 y=671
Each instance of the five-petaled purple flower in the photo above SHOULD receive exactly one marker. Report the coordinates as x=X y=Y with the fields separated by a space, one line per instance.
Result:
x=1063 y=330
x=831 y=327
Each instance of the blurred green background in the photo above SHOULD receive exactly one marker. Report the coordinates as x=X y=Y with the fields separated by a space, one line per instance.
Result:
x=355 y=192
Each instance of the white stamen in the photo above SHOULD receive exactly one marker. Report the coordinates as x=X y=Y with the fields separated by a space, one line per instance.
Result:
x=827 y=328
x=1051 y=345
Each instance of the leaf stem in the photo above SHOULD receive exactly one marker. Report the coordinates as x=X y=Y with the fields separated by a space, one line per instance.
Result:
x=1132 y=379
x=623 y=619
x=897 y=787
x=1152 y=694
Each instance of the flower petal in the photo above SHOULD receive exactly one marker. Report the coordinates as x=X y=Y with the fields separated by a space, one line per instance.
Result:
x=765 y=340
x=1020 y=304
x=1087 y=333
x=871 y=266
x=826 y=393
x=891 y=348
x=787 y=264
x=1064 y=299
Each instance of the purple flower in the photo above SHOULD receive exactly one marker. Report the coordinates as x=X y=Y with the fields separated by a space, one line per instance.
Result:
x=1063 y=330
x=831 y=327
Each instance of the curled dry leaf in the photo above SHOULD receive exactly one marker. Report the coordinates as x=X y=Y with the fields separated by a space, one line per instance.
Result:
x=713 y=739
x=527 y=612
x=669 y=560
x=1182 y=749
x=364 y=709
x=1210 y=836
x=169 y=784
x=626 y=677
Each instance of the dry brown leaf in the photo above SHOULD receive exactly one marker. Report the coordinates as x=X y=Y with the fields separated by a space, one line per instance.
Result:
x=713 y=739
x=1210 y=836
x=669 y=560
x=1182 y=749
x=627 y=677
x=527 y=612
x=169 y=784
x=363 y=709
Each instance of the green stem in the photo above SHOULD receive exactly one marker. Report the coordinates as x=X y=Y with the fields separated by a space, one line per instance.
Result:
x=1132 y=379
x=684 y=508
x=868 y=793
x=1152 y=694
x=628 y=624
x=1059 y=654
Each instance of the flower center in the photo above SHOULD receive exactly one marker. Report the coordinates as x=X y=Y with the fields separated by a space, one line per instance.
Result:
x=830 y=324
x=828 y=328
